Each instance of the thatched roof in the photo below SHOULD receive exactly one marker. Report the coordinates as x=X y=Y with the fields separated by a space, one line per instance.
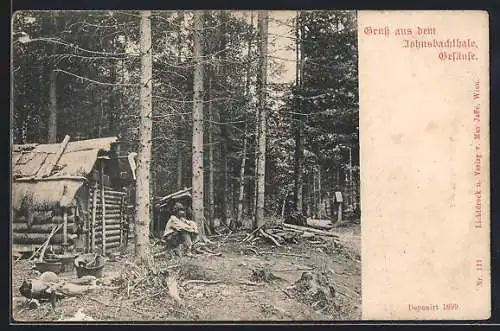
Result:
x=59 y=185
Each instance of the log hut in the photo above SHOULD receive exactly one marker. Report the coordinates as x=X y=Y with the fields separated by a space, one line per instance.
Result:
x=80 y=185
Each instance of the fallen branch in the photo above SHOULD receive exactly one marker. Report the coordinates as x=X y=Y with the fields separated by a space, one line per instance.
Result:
x=295 y=269
x=200 y=281
x=245 y=282
x=287 y=254
x=267 y=235
x=225 y=238
x=312 y=230
x=284 y=291
x=252 y=233
x=251 y=250
x=216 y=235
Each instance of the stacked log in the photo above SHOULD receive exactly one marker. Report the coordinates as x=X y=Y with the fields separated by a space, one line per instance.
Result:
x=36 y=233
x=113 y=216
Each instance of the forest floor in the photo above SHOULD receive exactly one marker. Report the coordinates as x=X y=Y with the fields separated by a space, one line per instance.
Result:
x=225 y=287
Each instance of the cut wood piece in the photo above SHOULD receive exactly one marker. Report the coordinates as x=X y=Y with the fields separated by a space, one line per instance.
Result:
x=312 y=230
x=110 y=226
x=320 y=224
x=112 y=233
x=109 y=221
x=113 y=244
x=110 y=206
x=19 y=219
x=112 y=214
x=110 y=196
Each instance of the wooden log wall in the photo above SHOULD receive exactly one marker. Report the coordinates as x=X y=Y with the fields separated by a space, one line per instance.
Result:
x=113 y=211
x=36 y=233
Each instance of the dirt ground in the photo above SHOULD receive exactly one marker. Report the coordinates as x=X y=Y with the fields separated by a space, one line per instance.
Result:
x=223 y=290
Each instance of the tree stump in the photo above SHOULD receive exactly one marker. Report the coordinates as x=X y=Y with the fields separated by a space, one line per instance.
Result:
x=315 y=289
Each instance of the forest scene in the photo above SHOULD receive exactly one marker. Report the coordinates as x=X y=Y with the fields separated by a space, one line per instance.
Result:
x=242 y=127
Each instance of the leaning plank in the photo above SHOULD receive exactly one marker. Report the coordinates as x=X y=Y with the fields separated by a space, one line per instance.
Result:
x=46 y=169
x=305 y=229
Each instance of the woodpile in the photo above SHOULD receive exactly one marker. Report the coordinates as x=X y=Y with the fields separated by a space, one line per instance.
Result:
x=108 y=210
x=284 y=233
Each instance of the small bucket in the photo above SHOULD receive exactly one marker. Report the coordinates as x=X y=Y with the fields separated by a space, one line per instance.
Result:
x=82 y=270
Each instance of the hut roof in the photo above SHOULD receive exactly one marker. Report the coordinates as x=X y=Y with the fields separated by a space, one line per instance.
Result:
x=163 y=201
x=65 y=175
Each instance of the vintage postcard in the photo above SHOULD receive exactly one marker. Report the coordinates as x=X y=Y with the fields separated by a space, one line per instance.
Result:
x=303 y=165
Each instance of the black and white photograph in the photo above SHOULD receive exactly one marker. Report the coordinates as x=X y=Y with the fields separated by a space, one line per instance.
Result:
x=185 y=166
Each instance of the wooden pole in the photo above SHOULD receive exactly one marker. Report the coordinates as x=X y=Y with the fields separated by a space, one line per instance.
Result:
x=92 y=226
x=103 y=218
x=65 y=227
x=339 y=214
x=122 y=219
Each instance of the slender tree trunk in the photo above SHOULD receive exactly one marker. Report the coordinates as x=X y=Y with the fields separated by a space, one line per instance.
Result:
x=211 y=149
x=180 y=127
x=241 y=193
x=320 y=196
x=299 y=134
x=315 y=202
x=256 y=140
x=226 y=201
x=180 y=163
x=52 y=124
x=52 y=134
x=261 y=169
x=142 y=213
x=197 y=161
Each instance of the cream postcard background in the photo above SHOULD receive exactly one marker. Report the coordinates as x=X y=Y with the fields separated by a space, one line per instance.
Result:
x=419 y=241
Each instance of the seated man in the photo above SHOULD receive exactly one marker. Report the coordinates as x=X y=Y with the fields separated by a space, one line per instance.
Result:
x=179 y=231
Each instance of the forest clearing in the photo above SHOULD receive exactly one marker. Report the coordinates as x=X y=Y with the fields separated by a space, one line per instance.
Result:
x=229 y=289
